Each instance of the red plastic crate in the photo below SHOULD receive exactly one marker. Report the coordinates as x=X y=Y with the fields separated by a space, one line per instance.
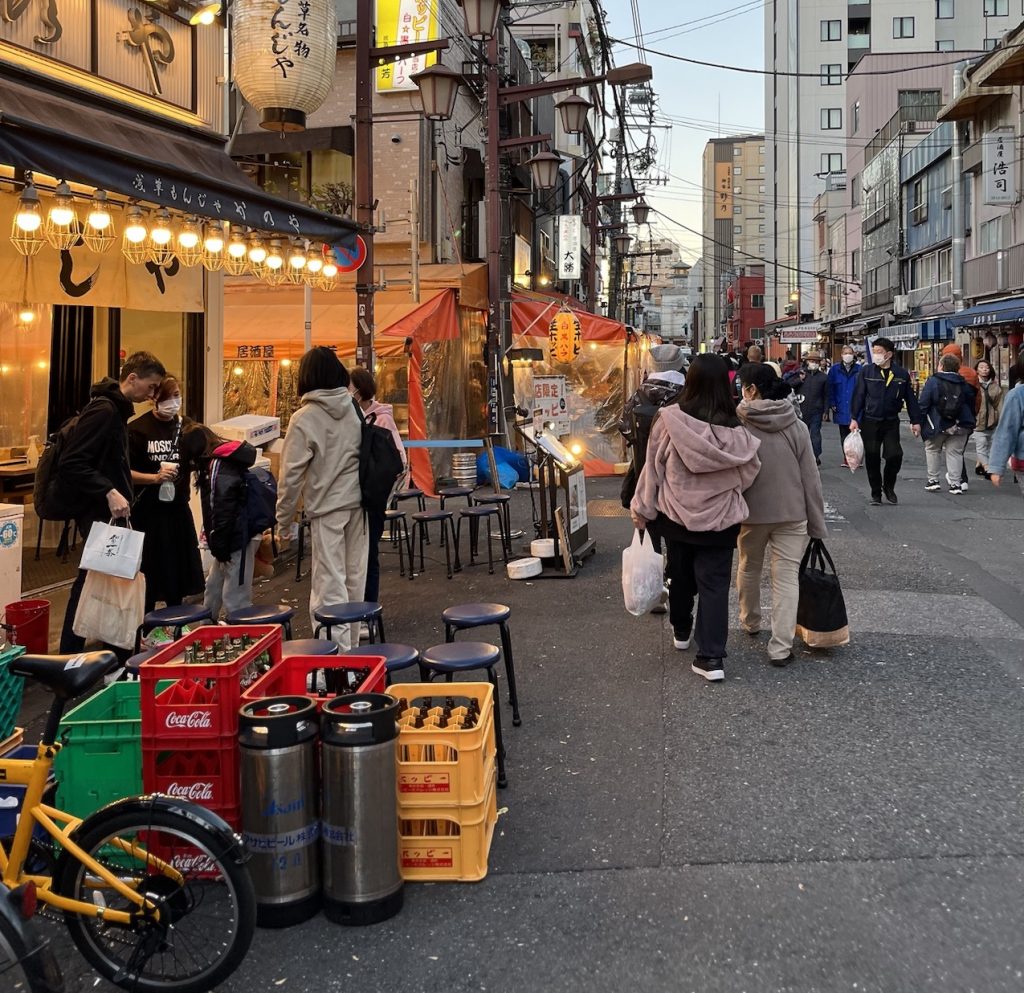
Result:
x=185 y=857
x=204 y=699
x=288 y=677
x=207 y=776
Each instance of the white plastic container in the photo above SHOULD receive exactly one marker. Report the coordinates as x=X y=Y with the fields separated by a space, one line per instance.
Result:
x=526 y=568
x=256 y=429
x=543 y=548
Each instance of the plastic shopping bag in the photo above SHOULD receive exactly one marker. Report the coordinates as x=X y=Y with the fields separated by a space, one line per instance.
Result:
x=110 y=609
x=643 y=575
x=853 y=449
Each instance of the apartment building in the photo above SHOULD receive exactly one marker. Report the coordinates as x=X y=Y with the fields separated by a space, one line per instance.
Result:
x=734 y=222
x=810 y=47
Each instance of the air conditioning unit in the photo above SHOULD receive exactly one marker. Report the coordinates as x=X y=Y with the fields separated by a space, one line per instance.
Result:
x=901 y=304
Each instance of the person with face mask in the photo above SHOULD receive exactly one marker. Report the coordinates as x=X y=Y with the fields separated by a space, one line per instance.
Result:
x=881 y=392
x=991 y=395
x=842 y=378
x=812 y=388
x=160 y=475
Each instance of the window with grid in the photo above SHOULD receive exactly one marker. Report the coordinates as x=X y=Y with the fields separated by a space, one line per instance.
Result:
x=757 y=301
x=831 y=118
x=919 y=202
x=944 y=9
x=997 y=8
x=831 y=162
x=831 y=73
x=990 y=43
x=903 y=27
x=831 y=30
x=945 y=46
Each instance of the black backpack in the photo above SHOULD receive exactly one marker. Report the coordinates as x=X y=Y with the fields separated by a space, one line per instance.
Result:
x=380 y=464
x=49 y=497
x=951 y=397
x=640 y=419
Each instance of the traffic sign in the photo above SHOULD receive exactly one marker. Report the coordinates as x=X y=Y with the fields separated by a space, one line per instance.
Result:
x=350 y=260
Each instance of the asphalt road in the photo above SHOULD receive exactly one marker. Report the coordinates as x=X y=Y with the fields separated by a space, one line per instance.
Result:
x=851 y=823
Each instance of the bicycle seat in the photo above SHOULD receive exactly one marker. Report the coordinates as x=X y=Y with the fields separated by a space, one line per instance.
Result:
x=67 y=675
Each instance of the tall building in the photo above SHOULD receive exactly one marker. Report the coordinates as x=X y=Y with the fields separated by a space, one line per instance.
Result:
x=734 y=220
x=809 y=49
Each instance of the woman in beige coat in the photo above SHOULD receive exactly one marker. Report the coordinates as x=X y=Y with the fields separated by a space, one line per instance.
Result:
x=320 y=464
x=785 y=508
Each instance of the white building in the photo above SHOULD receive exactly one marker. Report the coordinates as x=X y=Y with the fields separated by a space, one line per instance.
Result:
x=810 y=46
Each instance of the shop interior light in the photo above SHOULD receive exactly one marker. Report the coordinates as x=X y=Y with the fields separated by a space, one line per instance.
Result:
x=206 y=13
x=161 y=234
x=26 y=314
x=286 y=363
x=28 y=218
x=257 y=251
x=238 y=370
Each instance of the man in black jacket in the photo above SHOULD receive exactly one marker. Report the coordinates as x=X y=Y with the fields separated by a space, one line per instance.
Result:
x=882 y=390
x=94 y=473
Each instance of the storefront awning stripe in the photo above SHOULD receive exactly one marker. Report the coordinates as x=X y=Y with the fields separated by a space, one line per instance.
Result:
x=190 y=173
x=936 y=329
x=998 y=312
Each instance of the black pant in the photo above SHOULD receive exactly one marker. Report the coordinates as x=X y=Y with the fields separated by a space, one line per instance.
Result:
x=375 y=524
x=69 y=641
x=705 y=570
x=882 y=440
x=844 y=433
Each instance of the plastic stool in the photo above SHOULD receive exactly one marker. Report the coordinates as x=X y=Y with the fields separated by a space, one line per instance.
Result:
x=265 y=613
x=309 y=646
x=396 y=657
x=464 y=616
x=172 y=617
x=357 y=612
x=467 y=656
x=420 y=521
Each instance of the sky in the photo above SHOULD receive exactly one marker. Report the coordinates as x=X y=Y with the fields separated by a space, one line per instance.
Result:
x=694 y=98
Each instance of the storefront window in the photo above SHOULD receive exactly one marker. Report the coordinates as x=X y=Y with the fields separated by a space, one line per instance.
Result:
x=24 y=374
x=160 y=333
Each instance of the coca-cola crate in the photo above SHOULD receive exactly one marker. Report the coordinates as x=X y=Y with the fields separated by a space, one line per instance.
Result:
x=203 y=700
x=207 y=775
x=186 y=859
x=299 y=675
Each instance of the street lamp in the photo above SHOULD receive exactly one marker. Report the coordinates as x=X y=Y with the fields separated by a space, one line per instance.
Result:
x=481 y=18
x=641 y=211
x=439 y=88
x=544 y=168
x=574 y=111
x=622 y=243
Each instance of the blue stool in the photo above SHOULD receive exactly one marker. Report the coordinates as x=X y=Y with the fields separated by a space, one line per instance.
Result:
x=476 y=515
x=130 y=674
x=265 y=613
x=501 y=501
x=399 y=535
x=454 y=492
x=172 y=617
x=467 y=656
x=309 y=646
x=396 y=657
x=357 y=612
x=464 y=616
x=420 y=522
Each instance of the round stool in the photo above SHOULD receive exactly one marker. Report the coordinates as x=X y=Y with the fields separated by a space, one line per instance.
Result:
x=309 y=646
x=265 y=613
x=396 y=657
x=357 y=612
x=475 y=515
x=399 y=535
x=468 y=656
x=454 y=492
x=500 y=500
x=465 y=616
x=130 y=673
x=420 y=523
x=172 y=617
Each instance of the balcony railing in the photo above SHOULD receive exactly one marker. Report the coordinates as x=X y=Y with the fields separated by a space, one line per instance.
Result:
x=858 y=41
x=907 y=120
x=995 y=272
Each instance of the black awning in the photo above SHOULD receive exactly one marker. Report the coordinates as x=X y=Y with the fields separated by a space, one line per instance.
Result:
x=339 y=139
x=182 y=170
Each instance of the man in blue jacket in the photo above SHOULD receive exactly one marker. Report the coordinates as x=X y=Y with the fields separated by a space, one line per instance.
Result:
x=882 y=391
x=842 y=378
x=947 y=409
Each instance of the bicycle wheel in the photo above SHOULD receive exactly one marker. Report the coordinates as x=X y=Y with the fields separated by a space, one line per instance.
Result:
x=205 y=923
x=27 y=963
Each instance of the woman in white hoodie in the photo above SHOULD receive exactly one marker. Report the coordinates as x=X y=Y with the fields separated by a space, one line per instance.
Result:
x=320 y=464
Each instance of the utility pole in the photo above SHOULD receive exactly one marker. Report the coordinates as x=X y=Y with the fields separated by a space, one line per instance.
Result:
x=956 y=255
x=616 y=273
x=365 y=203
x=493 y=179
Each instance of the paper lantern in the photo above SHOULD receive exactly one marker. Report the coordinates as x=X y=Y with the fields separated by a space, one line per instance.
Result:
x=564 y=334
x=284 y=57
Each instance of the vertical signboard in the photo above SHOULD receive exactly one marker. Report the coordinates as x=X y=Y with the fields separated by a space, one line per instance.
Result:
x=402 y=22
x=570 y=246
x=723 y=191
x=999 y=164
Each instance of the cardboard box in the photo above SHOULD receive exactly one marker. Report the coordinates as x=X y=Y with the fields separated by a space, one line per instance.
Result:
x=256 y=429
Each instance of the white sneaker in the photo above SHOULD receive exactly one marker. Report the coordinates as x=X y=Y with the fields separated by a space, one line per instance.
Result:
x=963 y=487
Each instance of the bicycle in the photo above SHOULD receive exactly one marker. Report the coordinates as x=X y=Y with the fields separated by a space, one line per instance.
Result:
x=153 y=890
x=26 y=959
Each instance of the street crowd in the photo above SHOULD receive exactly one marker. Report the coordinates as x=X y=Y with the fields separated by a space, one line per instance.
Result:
x=725 y=457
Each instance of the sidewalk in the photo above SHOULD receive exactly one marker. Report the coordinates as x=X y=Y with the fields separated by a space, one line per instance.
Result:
x=852 y=822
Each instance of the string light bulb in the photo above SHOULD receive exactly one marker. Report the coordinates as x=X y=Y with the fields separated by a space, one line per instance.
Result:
x=314 y=261
x=257 y=251
x=28 y=217
x=62 y=229
x=161 y=233
x=135 y=226
x=214 y=240
x=274 y=259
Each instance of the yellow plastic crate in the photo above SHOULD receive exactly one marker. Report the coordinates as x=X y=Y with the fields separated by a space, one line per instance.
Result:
x=446 y=844
x=445 y=766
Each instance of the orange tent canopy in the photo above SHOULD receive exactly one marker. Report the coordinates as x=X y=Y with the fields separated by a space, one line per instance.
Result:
x=531 y=315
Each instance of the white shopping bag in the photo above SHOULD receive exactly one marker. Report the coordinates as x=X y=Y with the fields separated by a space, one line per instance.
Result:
x=110 y=609
x=643 y=575
x=113 y=549
x=853 y=449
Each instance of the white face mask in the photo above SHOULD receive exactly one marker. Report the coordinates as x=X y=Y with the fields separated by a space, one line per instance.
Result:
x=847 y=359
x=813 y=366
x=169 y=407
x=878 y=358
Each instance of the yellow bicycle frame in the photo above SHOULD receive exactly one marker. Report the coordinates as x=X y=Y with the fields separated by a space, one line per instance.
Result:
x=33 y=773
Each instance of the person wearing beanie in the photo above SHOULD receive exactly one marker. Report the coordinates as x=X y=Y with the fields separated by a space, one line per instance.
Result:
x=667 y=363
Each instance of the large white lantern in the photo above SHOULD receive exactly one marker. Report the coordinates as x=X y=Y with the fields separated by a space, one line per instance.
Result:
x=284 y=54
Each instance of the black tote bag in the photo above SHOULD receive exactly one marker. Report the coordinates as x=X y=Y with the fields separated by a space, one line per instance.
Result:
x=821 y=612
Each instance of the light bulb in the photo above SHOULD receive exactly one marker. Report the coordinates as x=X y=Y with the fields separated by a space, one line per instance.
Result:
x=161 y=233
x=28 y=218
x=99 y=215
x=214 y=241
x=314 y=261
x=135 y=230
x=297 y=258
x=238 y=370
x=257 y=253
x=206 y=17
x=285 y=363
x=26 y=314
x=62 y=213
x=274 y=259
x=236 y=247
x=330 y=270
x=188 y=236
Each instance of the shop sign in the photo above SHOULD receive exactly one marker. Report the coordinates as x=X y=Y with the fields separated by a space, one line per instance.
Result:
x=549 y=404
x=999 y=165
x=259 y=351
x=800 y=335
x=723 y=191
x=127 y=42
x=405 y=22
x=570 y=246
x=565 y=334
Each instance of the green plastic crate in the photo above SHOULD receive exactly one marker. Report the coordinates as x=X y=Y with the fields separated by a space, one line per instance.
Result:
x=101 y=757
x=11 y=688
